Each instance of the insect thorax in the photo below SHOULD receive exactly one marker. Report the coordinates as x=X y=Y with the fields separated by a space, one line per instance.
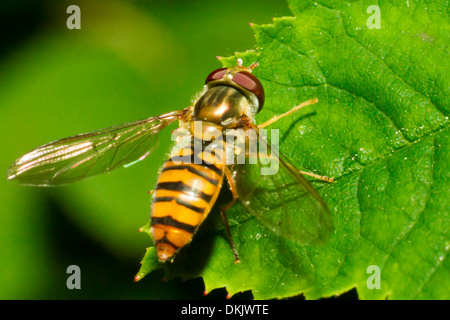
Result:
x=223 y=106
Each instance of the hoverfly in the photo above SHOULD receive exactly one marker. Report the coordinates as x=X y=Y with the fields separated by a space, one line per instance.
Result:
x=186 y=191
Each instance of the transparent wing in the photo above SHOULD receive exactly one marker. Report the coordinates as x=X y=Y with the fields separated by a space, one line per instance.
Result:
x=276 y=193
x=81 y=156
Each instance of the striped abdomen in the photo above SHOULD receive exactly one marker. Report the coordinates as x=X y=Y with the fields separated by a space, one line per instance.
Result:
x=185 y=193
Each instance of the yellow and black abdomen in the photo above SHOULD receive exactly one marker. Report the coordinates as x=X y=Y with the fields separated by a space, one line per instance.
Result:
x=185 y=193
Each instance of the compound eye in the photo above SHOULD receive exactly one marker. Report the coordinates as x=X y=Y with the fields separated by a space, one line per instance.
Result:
x=216 y=75
x=251 y=83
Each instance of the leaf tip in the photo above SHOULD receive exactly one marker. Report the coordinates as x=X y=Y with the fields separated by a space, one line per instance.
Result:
x=138 y=277
x=252 y=25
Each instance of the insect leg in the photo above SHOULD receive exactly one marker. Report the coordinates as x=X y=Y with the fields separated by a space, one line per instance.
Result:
x=262 y=155
x=324 y=178
x=276 y=118
x=225 y=208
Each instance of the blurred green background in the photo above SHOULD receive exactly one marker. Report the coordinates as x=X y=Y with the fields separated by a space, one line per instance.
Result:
x=130 y=60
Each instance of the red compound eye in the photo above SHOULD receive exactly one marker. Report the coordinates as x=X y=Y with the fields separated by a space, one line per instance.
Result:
x=243 y=79
x=216 y=75
x=251 y=83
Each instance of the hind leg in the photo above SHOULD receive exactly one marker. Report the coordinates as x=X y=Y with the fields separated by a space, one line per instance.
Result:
x=224 y=209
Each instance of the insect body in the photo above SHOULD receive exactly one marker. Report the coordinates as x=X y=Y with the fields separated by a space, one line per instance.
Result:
x=191 y=179
x=184 y=195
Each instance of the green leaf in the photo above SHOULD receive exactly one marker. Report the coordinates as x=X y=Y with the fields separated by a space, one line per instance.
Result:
x=380 y=129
